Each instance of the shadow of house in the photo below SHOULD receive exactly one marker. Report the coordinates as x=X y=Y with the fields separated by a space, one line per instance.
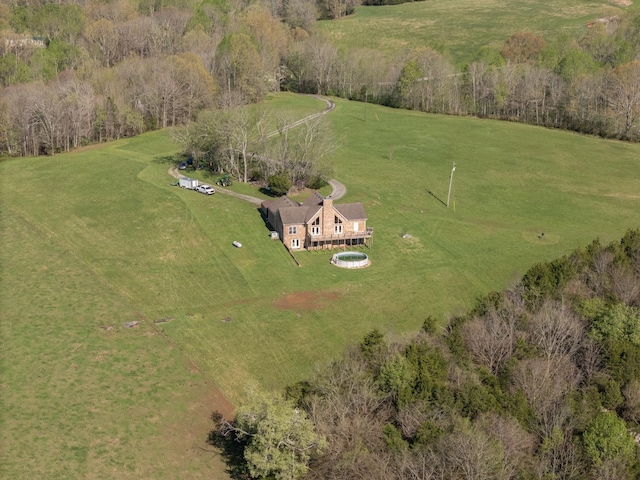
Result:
x=317 y=223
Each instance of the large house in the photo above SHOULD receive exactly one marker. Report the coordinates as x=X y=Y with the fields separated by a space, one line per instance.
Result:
x=317 y=223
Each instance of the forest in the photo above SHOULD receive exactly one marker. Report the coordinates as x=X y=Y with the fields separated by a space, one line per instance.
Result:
x=538 y=381
x=76 y=73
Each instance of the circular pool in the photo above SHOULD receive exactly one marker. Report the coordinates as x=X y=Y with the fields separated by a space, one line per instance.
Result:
x=350 y=260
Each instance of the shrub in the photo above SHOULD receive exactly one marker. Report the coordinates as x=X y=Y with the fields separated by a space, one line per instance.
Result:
x=279 y=184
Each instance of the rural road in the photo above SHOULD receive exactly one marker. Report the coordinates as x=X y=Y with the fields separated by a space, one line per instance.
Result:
x=338 y=189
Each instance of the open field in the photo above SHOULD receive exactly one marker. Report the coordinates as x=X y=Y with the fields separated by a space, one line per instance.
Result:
x=87 y=239
x=462 y=27
x=99 y=237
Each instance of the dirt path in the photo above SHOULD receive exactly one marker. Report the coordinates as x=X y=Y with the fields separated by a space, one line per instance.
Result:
x=338 y=189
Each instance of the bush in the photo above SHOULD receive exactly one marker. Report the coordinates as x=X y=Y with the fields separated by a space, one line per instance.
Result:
x=315 y=183
x=279 y=184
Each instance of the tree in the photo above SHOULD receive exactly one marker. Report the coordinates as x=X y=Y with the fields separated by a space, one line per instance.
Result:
x=556 y=330
x=606 y=438
x=523 y=47
x=271 y=39
x=614 y=322
x=56 y=21
x=631 y=394
x=103 y=36
x=239 y=66
x=321 y=55
x=78 y=109
x=280 y=438
x=300 y=13
x=247 y=129
x=575 y=63
x=337 y=8
x=625 y=285
x=546 y=385
x=279 y=183
x=435 y=76
x=301 y=152
x=470 y=454
x=491 y=339
x=624 y=97
x=407 y=84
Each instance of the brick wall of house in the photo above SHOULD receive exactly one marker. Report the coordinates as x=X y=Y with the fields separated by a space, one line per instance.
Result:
x=349 y=227
x=300 y=235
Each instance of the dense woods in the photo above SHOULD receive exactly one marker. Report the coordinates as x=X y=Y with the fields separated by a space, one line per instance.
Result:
x=539 y=381
x=74 y=73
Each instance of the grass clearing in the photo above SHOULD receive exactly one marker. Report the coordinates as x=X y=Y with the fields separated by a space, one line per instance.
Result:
x=461 y=28
x=99 y=237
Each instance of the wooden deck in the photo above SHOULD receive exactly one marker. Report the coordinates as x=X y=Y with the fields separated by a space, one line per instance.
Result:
x=339 y=240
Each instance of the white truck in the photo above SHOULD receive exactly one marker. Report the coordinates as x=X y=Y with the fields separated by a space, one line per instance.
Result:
x=189 y=183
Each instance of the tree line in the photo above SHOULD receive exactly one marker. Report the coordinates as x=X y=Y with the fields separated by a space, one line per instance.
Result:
x=84 y=72
x=541 y=381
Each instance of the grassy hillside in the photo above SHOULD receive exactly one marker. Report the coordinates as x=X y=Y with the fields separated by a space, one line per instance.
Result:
x=97 y=238
x=89 y=241
x=462 y=27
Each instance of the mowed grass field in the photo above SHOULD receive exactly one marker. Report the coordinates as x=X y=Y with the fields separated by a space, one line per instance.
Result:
x=98 y=237
x=462 y=27
x=89 y=241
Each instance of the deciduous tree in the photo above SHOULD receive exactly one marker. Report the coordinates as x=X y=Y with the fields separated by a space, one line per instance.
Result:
x=280 y=437
x=623 y=94
x=606 y=438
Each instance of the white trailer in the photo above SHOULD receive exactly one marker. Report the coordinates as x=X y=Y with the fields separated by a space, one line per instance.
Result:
x=189 y=183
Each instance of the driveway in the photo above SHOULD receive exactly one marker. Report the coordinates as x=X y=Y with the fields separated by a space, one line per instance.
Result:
x=338 y=189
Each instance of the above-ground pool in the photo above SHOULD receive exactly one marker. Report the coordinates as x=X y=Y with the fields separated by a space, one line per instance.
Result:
x=350 y=260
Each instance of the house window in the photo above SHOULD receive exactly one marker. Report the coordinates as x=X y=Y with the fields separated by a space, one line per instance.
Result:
x=295 y=243
x=337 y=228
x=315 y=230
x=355 y=226
x=293 y=230
x=316 y=221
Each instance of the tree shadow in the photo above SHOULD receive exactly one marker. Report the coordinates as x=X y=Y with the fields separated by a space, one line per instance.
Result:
x=169 y=159
x=230 y=447
x=437 y=198
x=269 y=192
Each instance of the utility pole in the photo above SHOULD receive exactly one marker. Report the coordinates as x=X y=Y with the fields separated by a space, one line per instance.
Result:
x=453 y=169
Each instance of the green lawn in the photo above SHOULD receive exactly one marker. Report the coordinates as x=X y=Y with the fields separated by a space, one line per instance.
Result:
x=460 y=28
x=98 y=237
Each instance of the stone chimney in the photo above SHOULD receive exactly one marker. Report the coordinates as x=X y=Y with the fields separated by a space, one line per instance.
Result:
x=328 y=216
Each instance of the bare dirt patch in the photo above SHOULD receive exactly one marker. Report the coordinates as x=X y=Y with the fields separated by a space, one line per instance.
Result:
x=307 y=300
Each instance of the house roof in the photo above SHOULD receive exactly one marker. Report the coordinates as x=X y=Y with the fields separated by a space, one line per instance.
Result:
x=315 y=199
x=289 y=215
x=292 y=212
x=351 y=211
x=311 y=212
x=274 y=205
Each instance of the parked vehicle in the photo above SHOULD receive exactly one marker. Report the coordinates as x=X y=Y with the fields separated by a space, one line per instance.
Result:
x=225 y=180
x=189 y=183
x=206 y=189
x=182 y=166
